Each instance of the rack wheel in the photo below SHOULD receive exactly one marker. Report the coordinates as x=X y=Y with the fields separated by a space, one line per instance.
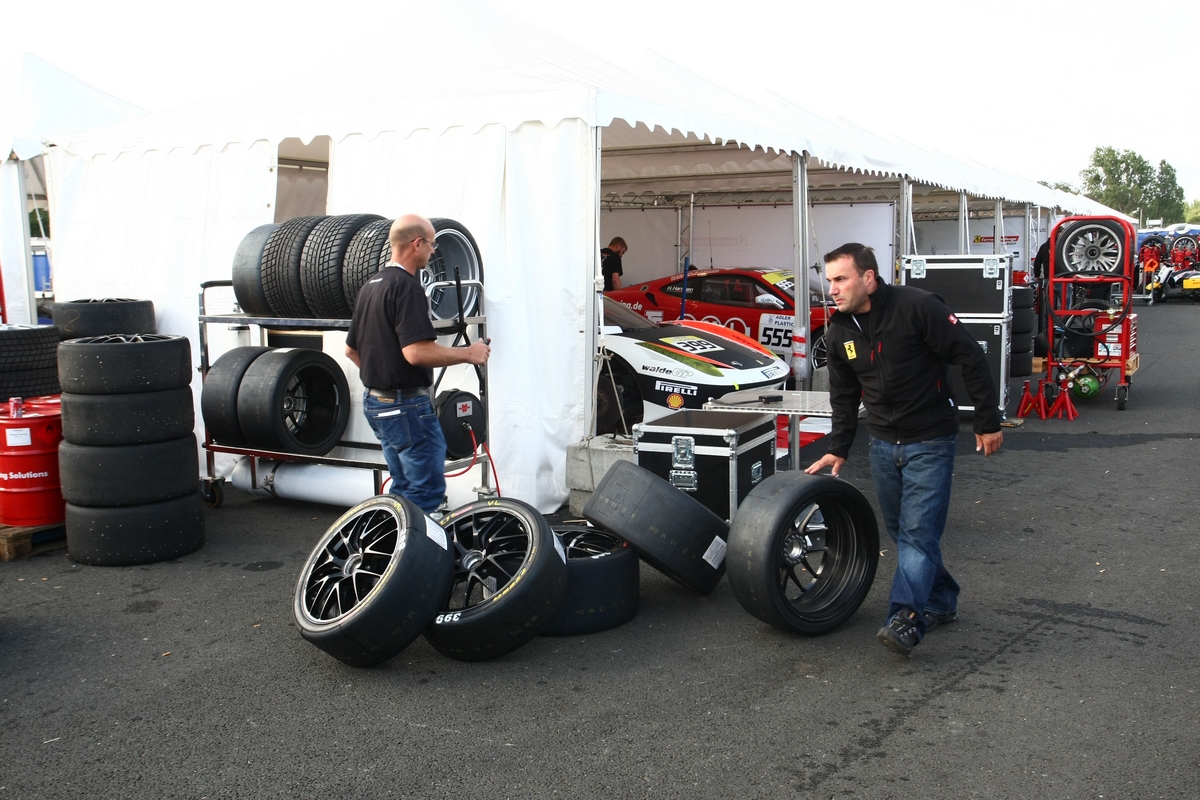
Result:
x=212 y=491
x=1122 y=396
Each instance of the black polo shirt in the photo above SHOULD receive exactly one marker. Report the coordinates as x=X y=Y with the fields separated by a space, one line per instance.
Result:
x=390 y=313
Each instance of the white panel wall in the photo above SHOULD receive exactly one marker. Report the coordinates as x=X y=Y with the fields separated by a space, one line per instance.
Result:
x=940 y=237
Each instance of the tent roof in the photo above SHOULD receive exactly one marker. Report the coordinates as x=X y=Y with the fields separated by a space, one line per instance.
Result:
x=38 y=99
x=504 y=71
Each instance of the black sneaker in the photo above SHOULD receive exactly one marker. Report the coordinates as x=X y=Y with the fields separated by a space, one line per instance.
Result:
x=933 y=619
x=900 y=634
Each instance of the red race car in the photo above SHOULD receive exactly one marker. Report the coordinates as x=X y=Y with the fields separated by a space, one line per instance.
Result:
x=753 y=301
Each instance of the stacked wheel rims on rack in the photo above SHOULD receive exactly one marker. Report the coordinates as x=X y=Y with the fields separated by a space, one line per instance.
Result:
x=128 y=463
x=313 y=267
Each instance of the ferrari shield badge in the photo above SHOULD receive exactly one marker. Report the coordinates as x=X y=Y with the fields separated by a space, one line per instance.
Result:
x=850 y=354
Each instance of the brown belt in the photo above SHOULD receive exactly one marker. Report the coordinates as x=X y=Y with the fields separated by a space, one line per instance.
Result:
x=402 y=394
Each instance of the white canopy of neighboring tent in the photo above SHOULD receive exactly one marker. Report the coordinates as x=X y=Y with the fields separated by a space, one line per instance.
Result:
x=492 y=122
x=37 y=99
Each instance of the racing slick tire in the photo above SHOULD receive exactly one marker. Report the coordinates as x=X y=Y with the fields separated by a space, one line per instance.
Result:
x=366 y=254
x=1020 y=365
x=373 y=583
x=124 y=363
x=603 y=582
x=618 y=398
x=456 y=248
x=293 y=401
x=27 y=347
x=669 y=530
x=321 y=264
x=1023 y=297
x=106 y=420
x=128 y=535
x=803 y=551
x=247 y=271
x=1024 y=320
x=81 y=318
x=280 y=267
x=128 y=475
x=1091 y=247
x=510 y=574
x=218 y=398
x=1021 y=343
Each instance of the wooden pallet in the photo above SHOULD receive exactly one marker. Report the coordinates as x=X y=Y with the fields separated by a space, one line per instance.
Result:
x=17 y=542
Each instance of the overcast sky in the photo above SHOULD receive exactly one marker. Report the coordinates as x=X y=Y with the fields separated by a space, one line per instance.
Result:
x=1030 y=87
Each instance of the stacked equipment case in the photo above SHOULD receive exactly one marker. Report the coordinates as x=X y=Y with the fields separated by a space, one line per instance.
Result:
x=977 y=290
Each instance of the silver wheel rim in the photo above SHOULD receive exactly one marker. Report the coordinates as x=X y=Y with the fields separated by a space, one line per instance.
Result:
x=351 y=563
x=454 y=250
x=1092 y=248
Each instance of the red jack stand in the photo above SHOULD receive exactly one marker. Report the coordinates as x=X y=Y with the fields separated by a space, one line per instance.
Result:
x=1030 y=404
x=1062 y=404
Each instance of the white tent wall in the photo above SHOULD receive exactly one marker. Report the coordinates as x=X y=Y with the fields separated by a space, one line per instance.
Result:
x=749 y=236
x=528 y=198
x=16 y=265
x=940 y=236
x=155 y=226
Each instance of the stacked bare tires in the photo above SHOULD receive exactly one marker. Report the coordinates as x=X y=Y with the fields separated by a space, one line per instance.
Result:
x=28 y=360
x=313 y=267
x=101 y=316
x=128 y=461
x=1024 y=330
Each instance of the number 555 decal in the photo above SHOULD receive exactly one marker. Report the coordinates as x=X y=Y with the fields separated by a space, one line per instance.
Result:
x=775 y=330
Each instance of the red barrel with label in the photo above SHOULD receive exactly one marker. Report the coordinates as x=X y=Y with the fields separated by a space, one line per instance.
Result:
x=30 y=493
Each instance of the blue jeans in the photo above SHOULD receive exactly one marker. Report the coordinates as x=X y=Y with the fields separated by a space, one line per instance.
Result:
x=413 y=446
x=912 y=482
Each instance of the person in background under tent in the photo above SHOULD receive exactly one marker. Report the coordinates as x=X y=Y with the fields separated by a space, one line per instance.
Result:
x=610 y=263
x=393 y=344
x=890 y=347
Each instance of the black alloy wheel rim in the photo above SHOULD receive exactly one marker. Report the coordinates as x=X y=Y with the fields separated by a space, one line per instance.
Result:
x=588 y=542
x=491 y=547
x=351 y=563
x=818 y=557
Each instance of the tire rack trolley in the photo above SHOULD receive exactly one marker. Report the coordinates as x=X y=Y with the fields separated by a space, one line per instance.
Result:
x=1100 y=254
x=212 y=487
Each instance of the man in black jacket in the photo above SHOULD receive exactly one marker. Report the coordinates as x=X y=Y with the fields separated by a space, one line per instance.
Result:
x=890 y=346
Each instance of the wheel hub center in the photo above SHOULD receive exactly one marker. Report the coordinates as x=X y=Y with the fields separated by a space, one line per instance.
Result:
x=472 y=559
x=352 y=564
x=1092 y=252
x=288 y=404
x=795 y=548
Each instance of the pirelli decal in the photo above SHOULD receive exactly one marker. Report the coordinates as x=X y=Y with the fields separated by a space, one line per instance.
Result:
x=850 y=353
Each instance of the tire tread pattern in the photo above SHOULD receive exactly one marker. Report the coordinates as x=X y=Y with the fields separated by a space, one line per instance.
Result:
x=280 y=267
x=321 y=264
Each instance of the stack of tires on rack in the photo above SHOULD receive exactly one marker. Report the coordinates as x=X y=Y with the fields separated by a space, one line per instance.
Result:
x=28 y=361
x=128 y=461
x=313 y=267
x=1024 y=330
x=493 y=575
x=488 y=578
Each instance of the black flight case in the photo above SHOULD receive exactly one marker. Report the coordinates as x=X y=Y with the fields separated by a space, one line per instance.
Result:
x=716 y=456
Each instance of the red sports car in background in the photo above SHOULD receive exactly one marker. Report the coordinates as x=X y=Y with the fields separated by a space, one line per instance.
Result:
x=753 y=301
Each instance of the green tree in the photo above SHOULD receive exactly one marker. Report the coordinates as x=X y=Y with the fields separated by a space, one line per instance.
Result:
x=1124 y=180
x=34 y=230
x=1192 y=214
x=1166 y=201
x=1062 y=186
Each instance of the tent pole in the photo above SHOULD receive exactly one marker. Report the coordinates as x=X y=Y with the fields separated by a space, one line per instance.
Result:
x=964 y=224
x=1028 y=237
x=905 y=222
x=998 y=228
x=594 y=306
x=800 y=214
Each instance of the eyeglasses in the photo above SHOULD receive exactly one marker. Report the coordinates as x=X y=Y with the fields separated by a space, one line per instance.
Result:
x=432 y=244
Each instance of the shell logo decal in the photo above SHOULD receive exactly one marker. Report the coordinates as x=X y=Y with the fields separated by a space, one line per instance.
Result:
x=675 y=401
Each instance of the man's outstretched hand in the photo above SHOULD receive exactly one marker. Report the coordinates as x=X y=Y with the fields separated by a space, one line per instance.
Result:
x=828 y=460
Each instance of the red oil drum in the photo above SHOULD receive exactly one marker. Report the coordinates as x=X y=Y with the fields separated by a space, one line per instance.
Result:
x=30 y=493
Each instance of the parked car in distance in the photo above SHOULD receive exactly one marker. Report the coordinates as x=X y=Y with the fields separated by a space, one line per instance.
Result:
x=651 y=369
x=756 y=302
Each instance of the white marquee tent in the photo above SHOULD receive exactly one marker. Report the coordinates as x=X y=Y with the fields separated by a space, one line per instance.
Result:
x=496 y=124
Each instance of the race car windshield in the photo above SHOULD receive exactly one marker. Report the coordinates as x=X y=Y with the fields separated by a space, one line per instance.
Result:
x=617 y=314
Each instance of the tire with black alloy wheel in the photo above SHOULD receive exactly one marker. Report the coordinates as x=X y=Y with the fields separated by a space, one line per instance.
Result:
x=803 y=551
x=671 y=532
x=128 y=475
x=1020 y=365
x=106 y=420
x=280 y=267
x=1023 y=297
x=81 y=318
x=322 y=261
x=218 y=398
x=293 y=401
x=247 y=271
x=618 y=398
x=28 y=383
x=125 y=363
x=603 y=584
x=1091 y=247
x=1154 y=240
x=119 y=537
x=456 y=249
x=1024 y=321
x=373 y=583
x=26 y=347
x=510 y=574
x=817 y=349
x=369 y=250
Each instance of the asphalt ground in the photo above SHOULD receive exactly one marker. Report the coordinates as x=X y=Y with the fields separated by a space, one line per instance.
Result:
x=1072 y=673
